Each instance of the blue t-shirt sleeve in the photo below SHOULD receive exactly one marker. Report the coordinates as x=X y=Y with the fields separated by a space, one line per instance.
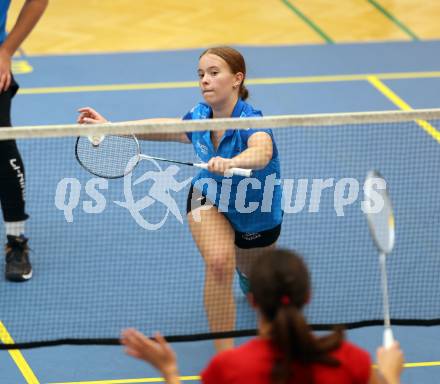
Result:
x=188 y=116
x=249 y=132
x=245 y=134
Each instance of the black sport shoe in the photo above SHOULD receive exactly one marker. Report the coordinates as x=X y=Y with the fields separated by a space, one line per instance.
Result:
x=18 y=267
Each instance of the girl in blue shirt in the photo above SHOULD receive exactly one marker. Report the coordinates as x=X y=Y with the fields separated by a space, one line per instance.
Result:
x=231 y=232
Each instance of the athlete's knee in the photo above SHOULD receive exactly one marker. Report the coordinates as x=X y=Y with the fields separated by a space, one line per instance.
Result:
x=220 y=266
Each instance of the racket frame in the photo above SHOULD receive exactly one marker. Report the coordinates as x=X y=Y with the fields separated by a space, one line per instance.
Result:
x=233 y=171
x=388 y=337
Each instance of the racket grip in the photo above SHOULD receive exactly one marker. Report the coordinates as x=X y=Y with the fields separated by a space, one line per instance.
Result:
x=239 y=172
x=388 y=338
x=233 y=171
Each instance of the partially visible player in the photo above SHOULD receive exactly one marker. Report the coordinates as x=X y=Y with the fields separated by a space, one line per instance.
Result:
x=285 y=351
x=12 y=176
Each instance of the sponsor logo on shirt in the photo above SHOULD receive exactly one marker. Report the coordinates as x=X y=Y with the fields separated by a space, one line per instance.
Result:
x=203 y=148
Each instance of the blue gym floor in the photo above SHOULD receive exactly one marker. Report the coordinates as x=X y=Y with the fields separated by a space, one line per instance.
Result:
x=302 y=79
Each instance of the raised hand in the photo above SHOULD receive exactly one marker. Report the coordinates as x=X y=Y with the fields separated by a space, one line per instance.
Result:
x=390 y=361
x=88 y=115
x=158 y=353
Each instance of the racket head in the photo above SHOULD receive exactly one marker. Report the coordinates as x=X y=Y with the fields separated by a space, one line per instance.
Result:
x=112 y=158
x=379 y=212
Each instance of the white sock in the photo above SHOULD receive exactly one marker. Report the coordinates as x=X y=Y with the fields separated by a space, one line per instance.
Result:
x=14 y=228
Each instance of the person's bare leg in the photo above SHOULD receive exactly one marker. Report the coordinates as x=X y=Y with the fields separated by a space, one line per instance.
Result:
x=214 y=238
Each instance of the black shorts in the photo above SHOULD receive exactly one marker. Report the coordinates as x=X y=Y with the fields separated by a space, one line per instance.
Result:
x=243 y=240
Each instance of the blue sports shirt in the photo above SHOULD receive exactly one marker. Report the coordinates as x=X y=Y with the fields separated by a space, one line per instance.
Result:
x=4 y=6
x=250 y=204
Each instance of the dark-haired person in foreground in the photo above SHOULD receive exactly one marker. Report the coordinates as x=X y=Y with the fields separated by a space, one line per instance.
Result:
x=285 y=351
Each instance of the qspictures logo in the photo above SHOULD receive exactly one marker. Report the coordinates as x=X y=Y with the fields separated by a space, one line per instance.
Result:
x=297 y=195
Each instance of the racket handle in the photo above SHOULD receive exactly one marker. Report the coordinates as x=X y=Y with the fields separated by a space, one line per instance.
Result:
x=239 y=172
x=233 y=171
x=388 y=338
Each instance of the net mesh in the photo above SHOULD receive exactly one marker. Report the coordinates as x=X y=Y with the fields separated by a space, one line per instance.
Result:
x=111 y=254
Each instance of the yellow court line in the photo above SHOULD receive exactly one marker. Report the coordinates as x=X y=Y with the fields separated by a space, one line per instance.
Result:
x=132 y=381
x=108 y=87
x=21 y=67
x=418 y=365
x=386 y=91
x=422 y=364
x=193 y=378
x=18 y=358
x=256 y=81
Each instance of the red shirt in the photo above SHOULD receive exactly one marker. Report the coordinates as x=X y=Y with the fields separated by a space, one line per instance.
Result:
x=252 y=363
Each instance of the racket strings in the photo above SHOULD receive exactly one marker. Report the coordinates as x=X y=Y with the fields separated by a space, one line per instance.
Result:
x=115 y=156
